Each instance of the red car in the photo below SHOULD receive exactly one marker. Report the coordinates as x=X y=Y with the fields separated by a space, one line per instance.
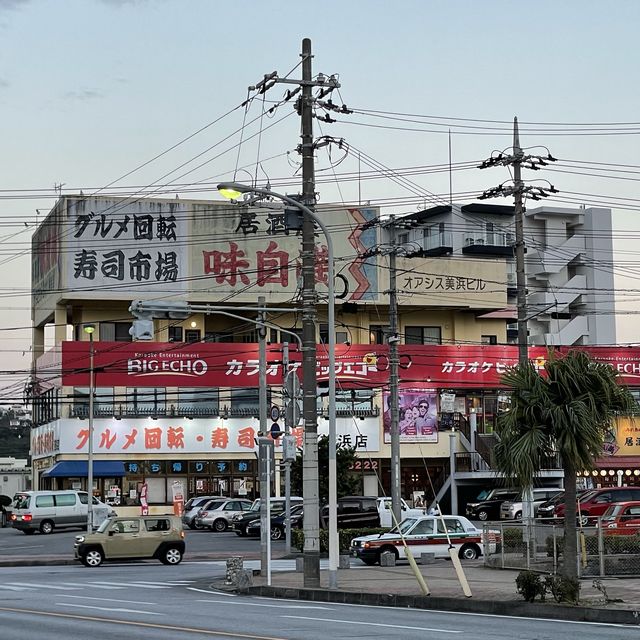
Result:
x=622 y=518
x=594 y=503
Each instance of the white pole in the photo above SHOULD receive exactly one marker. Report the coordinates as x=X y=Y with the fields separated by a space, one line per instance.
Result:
x=90 y=442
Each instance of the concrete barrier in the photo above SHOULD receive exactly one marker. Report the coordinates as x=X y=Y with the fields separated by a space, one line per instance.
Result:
x=388 y=559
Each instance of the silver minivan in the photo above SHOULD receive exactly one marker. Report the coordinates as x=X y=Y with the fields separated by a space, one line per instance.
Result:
x=45 y=511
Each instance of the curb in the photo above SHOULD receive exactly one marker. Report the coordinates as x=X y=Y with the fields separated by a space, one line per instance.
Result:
x=504 y=608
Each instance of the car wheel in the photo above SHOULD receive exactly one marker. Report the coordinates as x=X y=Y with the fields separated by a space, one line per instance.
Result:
x=242 y=532
x=171 y=555
x=92 y=558
x=469 y=552
x=276 y=533
x=219 y=525
x=46 y=527
x=584 y=521
x=518 y=515
x=483 y=515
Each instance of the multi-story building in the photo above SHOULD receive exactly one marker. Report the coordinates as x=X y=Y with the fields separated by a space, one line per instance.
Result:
x=184 y=406
x=568 y=263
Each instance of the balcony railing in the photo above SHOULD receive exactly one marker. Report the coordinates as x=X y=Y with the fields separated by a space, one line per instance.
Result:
x=443 y=239
x=492 y=239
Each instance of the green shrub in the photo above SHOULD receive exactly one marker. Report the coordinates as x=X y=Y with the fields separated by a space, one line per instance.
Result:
x=344 y=538
x=563 y=589
x=612 y=545
x=530 y=585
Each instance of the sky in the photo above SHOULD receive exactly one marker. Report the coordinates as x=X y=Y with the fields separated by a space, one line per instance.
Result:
x=91 y=89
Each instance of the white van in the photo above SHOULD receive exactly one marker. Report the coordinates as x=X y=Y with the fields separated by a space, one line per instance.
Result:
x=45 y=511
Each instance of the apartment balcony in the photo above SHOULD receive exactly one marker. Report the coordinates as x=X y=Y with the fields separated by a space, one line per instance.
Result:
x=440 y=244
x=496 y=243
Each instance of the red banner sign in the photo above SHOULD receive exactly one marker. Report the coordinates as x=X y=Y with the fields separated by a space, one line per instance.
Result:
x=159 y=364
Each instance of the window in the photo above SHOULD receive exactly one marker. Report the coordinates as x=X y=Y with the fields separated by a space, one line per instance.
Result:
x=175 y=334
x=354 y=400
x=126 y=526
x=488 y=339
x=403 y=238
x=203 y=401
x=115 y=331
x=342 y=337
x=146 y=399
x=217 y=336
x=489 y=228
x=423 y=528
x=192 y=335
x=378 y=334
x=157 y=525
x=44 y=501
x=102 y=401
x=422 y=335
x=245 y=400
x=65 y=500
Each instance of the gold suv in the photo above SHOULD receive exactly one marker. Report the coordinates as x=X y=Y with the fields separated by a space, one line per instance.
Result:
x=132 y=537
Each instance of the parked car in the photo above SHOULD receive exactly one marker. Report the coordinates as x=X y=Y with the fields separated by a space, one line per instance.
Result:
x=596 y=502
x=5 y=514
x=426 y=534
x=513 y=509
x=278 y=523
x=487 y=506
x=622 y=518
x=546 y=509
x=191 y=508
x=357 y=512
x=241 y=520
x=45 y=511
x=129 y=537
x=217 y=515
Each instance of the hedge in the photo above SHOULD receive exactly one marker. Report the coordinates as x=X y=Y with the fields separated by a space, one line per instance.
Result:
x=344 y=537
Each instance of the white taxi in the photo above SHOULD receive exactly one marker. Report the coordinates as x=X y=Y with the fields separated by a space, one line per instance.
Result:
x=427 y=534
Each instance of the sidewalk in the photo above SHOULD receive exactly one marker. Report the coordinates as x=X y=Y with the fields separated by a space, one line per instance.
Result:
x=493 y=592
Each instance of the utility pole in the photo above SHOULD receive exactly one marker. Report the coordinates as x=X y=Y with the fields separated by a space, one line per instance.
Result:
x=310 y=487
x=394 y=339
x=265 y=493
x=517 y=159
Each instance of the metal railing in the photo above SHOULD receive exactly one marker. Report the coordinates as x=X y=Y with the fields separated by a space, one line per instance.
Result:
x=490 y=239
x=602 y=552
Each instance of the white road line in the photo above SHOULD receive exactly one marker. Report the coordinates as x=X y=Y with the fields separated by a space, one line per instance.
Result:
x=94 y=586
x=132 y=584
x=30 y=585
x=155 y=604
x=373 y=624
x=218 y=593
x=8 y=588
x=109 y=609
x=24 y=546
x=170 y=583
x=271 y=606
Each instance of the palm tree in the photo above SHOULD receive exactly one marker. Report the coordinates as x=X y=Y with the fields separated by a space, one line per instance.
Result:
x=564 y=412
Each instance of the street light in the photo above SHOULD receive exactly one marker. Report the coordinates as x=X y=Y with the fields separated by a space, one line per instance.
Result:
x=232 y=191
x=89 y=329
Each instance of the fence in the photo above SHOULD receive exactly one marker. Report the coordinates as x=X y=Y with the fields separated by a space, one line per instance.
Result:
x=602 y=552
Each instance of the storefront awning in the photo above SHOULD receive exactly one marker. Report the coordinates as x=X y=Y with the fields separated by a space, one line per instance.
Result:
x=78 y=469
x=618 y=462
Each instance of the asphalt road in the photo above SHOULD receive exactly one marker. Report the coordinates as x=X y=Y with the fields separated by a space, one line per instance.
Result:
x=16 y=543
x=150 y=601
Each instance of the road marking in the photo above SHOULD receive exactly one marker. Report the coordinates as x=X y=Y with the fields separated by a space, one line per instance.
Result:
x=373 y=624
x=24 y=546
x=209 y=591
x=155 y=604
x=31 y=585
x=122 y=585
x=148 y=625
x=109 y=609
x=272 y=606
x=8 y=588
x=93 y=585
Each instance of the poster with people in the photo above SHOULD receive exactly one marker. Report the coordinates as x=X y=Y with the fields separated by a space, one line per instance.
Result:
x=418 y=416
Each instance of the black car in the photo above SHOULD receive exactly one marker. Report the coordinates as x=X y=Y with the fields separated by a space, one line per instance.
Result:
x=241 y=520
x=278 y=523
x=354 y=512
x=487 y=506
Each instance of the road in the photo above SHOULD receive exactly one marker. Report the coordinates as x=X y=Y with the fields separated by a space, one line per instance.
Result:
x=149 y=601
x=15 y=543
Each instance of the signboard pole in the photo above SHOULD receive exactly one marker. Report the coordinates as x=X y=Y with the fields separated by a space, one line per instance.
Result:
x=265 y=462
x=265 y=484
x=289 y=398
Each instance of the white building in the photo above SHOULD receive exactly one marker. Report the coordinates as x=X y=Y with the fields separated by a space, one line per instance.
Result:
x=568 y=263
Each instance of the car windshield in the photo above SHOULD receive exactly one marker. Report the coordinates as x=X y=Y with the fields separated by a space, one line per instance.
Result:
x=105 y=525
x=255 y=506
x=405 y=525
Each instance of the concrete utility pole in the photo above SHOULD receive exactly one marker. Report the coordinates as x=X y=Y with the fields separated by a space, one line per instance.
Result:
x=394 y=339
x=310 y=487
x=521 y=278
x=265 y=493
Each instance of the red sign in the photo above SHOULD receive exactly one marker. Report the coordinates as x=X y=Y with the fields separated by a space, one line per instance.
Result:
x=161 y=364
